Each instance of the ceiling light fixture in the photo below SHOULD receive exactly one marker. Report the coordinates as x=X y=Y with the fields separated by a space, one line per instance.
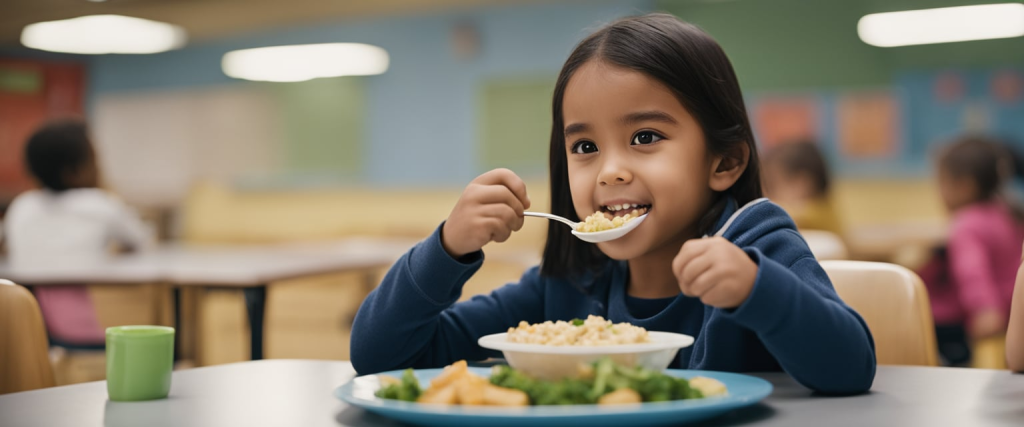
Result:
x=101 y=34
x=298 y=63
x=942 y=25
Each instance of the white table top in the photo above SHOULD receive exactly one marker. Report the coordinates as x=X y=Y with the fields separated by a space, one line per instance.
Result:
x=222 y=265
x=299 y=393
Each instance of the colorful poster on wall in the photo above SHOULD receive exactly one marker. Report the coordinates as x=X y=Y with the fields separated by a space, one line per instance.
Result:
x=867 y=125
x=30 y=92
x=785 y=119
x=949 y=88
x=1007 y=86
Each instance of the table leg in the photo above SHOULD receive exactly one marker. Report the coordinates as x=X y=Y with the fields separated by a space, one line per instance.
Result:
x=188 y=323
x=255 y=305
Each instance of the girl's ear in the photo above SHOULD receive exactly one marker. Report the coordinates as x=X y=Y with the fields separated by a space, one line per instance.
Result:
x=727 y=168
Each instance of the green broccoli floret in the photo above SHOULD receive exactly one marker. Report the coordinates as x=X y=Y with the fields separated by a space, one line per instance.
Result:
x=682 y=390
x=604 y=369
x=607 y=377
x=504 y=376
x=565 y=392
x=656 y=389
x=408 y=390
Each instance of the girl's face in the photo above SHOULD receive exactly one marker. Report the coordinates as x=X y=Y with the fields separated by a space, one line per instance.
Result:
x=787 y=187
x=957 y=191
x=629 y=141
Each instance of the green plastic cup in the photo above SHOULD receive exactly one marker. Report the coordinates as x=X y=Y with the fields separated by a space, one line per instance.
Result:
x=139 y=362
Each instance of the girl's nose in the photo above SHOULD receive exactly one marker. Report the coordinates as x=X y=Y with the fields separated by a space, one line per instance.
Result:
x=614 y=173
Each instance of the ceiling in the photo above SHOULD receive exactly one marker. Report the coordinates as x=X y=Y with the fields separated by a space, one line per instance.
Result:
x=207 y=19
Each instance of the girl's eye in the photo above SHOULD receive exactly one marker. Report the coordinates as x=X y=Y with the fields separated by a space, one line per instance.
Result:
x=646 y=137
x=584 y=147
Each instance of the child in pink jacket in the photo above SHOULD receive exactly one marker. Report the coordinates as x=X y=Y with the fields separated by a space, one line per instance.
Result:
x=970 y=281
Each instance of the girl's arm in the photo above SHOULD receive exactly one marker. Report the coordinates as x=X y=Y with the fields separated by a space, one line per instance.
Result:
x=816 y=338
x=128 y=229
x=1015 y=331
x=412 y=320
x=972 y=275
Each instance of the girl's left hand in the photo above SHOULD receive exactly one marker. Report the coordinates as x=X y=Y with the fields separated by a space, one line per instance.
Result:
x=716 y=271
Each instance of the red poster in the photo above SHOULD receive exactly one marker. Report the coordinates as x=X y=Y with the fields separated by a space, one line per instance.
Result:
x=868 y=125
x=1006 y=86
x=780 y=120
x=31 y=92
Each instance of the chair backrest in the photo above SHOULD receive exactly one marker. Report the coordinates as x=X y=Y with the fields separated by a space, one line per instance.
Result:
x=894 y=303
x=825 y=244
x=24 y=352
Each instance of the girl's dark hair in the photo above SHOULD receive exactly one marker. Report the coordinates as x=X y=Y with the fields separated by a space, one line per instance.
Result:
x=690 y=63
x=56 y=149
x=802 y=157
x=985 y=160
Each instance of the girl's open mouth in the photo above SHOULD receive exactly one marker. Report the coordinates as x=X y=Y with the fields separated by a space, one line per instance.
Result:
x=623 y=209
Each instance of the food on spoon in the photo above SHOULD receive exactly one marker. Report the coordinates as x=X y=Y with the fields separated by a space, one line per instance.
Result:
x=599 y=221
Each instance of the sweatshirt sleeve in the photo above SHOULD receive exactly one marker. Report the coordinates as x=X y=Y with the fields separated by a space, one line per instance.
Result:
x=412 y=319
x=971 y=270
x=816 y=338
x=127 y=228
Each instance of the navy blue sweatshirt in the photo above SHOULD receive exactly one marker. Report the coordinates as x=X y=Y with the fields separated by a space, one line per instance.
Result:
x=793 y=319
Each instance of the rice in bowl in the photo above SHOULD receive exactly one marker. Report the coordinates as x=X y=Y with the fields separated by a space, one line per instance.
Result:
x=595 y=331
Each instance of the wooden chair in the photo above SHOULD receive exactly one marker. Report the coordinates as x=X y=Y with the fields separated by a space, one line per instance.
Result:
x=989 y=353
x=894 y=303
x=825 y=244
x=24 y=358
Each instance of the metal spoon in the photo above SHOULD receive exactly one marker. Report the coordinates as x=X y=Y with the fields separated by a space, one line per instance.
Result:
x=595 y=236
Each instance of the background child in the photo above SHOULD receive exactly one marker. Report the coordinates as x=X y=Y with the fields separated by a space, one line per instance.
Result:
x=67 y=221
x=797 y=177
x=647 y=115
x=970 y=281
x=1015 y=328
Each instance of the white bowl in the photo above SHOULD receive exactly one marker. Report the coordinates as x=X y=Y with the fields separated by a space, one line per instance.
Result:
x=555 y=362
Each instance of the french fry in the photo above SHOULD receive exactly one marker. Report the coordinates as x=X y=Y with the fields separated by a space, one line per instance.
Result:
x=470 y=389
x=619 y=397
x=500 y=396
x=708 y=386
x=450 y=374
x=386 y=380
x=439 y=395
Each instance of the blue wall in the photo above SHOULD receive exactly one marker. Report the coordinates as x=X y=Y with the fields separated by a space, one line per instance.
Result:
x=421 y=114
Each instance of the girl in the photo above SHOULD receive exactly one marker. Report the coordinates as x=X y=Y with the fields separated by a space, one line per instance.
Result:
x=970 y=282
x=67 y=221
x=797 y=178
x=647 y=115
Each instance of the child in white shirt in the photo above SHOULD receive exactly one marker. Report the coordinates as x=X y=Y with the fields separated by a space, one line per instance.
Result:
x=68 y=221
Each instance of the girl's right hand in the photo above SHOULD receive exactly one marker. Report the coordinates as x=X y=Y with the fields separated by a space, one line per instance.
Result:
x=489 y=210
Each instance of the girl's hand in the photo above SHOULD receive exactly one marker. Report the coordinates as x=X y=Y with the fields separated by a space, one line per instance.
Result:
x=489 y=210
x=716 y=271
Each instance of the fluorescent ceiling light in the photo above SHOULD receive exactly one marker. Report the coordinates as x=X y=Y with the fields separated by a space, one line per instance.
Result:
x=943 y=25
x=99 y=34
x=297 y=63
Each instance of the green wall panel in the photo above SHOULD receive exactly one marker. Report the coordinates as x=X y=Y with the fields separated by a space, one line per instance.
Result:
x=801 y=44
x=323 y=121
x=515 y=124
